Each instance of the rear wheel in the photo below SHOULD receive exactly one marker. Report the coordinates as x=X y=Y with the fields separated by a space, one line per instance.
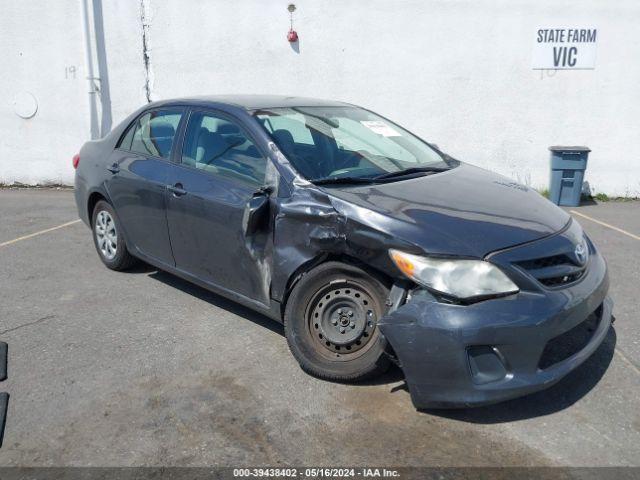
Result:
x=331 y=323
x=108 y=239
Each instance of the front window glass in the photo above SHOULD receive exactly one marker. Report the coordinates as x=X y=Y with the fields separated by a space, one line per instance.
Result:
x=334 y=142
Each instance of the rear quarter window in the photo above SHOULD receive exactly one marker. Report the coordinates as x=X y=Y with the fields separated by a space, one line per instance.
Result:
x=125 y=142
x=152 y=134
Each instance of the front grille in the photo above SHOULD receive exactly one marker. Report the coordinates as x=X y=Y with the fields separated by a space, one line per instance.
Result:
x=569 y=343
x=553 y=271
x=545 y=262
x=561 y=280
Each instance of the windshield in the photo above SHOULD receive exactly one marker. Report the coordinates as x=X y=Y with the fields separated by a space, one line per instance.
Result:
x=325 y=143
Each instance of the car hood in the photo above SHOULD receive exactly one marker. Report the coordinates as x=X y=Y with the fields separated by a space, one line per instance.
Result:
x=463 y=211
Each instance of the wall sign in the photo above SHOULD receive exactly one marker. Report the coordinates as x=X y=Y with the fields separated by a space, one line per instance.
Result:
x=565 y=48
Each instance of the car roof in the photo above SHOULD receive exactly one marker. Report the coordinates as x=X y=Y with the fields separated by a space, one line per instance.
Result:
x=251 y=102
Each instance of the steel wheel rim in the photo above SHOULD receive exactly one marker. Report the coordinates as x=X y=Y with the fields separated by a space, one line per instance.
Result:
x=342 y=319
x=106 y=235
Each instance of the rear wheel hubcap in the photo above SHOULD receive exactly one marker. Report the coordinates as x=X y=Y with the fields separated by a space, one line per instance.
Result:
x=106 y=235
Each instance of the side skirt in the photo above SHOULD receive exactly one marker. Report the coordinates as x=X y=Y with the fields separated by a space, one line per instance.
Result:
x=273 y=310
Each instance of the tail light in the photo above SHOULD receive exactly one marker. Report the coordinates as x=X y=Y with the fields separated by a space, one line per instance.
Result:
x=76 y=160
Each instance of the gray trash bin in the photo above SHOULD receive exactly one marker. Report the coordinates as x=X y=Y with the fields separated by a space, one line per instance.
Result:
x=567 y=172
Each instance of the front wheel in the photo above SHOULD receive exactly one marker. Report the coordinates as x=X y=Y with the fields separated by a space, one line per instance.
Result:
x=331 y=323
x=108 y=239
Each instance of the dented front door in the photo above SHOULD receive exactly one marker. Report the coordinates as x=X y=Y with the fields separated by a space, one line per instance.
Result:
x=207 y=198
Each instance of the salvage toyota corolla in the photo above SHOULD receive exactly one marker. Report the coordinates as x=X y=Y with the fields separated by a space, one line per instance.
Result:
x=371 y=245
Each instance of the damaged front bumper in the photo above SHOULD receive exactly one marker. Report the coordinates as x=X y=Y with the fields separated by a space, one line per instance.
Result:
x=457 y=356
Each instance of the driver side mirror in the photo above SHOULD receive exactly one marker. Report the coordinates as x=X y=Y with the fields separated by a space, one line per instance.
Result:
x=256 y=211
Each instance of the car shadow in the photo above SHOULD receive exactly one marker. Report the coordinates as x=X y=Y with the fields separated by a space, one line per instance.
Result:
x=393 y=375
x=142 y=267
x=213 y=298
x=562 y=395
x=558 y=397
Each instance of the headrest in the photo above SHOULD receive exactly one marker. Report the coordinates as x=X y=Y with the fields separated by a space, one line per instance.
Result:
x=228 y=128
x=161 y=130
x=210 y=145
x=284 y=139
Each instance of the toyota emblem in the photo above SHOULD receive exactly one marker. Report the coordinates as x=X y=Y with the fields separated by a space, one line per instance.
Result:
x=582 y=253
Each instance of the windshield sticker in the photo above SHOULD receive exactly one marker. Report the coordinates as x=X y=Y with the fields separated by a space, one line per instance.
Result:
x=380 y=128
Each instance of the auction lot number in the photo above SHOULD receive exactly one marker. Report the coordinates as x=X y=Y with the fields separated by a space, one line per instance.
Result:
x=315 y=472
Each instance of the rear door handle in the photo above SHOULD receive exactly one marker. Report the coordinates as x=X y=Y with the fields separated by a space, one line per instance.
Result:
x=115 y=168
x=177 y=190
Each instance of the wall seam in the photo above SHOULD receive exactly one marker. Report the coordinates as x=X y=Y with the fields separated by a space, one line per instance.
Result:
x=145 y=22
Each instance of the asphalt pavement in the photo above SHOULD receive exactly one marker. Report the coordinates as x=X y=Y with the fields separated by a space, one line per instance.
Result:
x=142 y=368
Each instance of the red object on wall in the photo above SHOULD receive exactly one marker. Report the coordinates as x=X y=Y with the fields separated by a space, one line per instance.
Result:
x=292 y=36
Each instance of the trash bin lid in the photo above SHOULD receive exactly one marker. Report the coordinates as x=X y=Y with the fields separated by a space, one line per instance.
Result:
x=560 y=148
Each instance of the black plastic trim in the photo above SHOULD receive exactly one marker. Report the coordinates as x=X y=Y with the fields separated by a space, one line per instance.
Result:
x=3 y=361
x=4 y=404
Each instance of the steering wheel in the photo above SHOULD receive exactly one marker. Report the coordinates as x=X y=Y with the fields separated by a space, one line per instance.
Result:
x=355 y=155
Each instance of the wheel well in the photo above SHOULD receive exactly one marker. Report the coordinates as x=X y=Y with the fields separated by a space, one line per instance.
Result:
x=324 y=258
x=94 y=198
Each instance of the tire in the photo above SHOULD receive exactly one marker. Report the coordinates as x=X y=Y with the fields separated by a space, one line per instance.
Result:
x=330 y=323
x=108 y=238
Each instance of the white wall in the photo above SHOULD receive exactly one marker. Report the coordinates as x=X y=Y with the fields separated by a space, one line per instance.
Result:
x=456 y=72
x=37 y=45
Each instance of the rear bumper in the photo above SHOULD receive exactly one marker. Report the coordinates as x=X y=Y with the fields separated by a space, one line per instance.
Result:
x=437 y=344
x=81 y=197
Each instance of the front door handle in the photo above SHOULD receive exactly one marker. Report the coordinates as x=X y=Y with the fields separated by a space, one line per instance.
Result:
x=114 y=168
x=177 y=190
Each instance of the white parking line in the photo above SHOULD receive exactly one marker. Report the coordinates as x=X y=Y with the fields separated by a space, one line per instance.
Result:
x=624 y=232
x=31 y=235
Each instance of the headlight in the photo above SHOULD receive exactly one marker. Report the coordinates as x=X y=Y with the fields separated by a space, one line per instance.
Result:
x=459 y=278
